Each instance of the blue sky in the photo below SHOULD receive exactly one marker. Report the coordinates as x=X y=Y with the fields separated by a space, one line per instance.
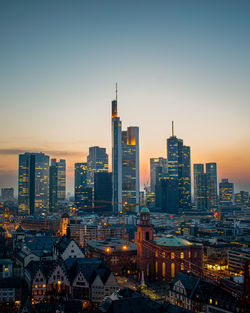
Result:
x=187 y=61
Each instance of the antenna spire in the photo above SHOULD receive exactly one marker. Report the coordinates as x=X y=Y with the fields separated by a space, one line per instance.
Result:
x=116 y=91
x=172 y=128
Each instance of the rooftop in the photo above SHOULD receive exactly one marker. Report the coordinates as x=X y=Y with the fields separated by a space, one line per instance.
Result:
x=113 y=244
x=172 y=241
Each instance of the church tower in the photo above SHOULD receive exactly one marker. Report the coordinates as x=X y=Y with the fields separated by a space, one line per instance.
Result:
x=145 y=256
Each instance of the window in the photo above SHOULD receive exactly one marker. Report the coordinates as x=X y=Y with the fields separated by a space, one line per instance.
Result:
x=172 y=270
x=163 y=269
x=182 y=255
x=182 y=266
x=172 y=255
x=156 y=267
x=147 y=235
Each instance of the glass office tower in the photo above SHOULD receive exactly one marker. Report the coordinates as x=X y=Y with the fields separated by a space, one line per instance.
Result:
x=33 y=183
x=116 y=159
x=80 y=182
x=211 y=171
x=226 y=192
x=130 y=168
x=179 y=168
x=154 y=163
x=97 y=161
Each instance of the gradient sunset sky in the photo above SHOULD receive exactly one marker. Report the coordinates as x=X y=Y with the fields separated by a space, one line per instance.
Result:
x=181 y=60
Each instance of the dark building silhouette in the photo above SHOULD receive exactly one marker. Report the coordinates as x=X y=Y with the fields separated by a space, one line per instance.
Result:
x=52 y=187
x=169 y=195
x=103 y=192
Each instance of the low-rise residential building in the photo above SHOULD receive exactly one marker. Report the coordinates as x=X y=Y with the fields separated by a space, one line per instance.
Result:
x=198 y=295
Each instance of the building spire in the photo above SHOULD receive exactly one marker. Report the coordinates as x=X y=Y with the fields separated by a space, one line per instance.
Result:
x=116 y=91
x=172 y=128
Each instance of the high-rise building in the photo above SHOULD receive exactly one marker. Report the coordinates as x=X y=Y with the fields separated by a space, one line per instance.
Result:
x=7 y=194
x=57 y=183
x=33 y=183
x=200 y=187
x=154 y=163
x=116 y=158
x=61 y=180
x=169 y=195
x=53 y=192
x=179 y=163
x=80 y=180
x=130 y=168
x=211 y=171
x=242 y=197
x=125 y=163
x=226 y=192
x=84 y=197
x=97 y=161
x=103 y=192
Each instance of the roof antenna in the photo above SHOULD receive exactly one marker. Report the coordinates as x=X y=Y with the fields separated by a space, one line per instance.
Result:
x=116 y=91
x=172 y=128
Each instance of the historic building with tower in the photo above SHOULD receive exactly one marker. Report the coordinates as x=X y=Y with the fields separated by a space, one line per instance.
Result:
x=161 y=258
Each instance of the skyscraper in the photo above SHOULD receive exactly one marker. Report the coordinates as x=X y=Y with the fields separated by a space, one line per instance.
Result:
x=57 y=183
x=53 y=191
x=33 y=183
x=200 y=187
x=226 y=191
x=169 y=195
x=97 y=161
x=130 y=167
x=116 y=158
x=61 y=180
x=154 y=163
x=103 y=192
x=179 y=162
x=211 y=171
x=80 y=181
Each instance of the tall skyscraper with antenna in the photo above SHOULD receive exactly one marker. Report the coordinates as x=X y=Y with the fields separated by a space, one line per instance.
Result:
x=116 y=157
x=179 y=168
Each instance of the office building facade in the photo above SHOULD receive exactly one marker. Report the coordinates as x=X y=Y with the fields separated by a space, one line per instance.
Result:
x=7 y=194
x=97 y=161
x=155 y=163
x=53 y=195
x=226 y=192
x=103 y=192
x=130 y=168
x=212 y=189
x=200 y=187
x=116 y=159
x=33 y=183
x=80 y=181
x=179 y=168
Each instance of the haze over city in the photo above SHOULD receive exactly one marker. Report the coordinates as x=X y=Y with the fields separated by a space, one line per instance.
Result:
x=186 y=61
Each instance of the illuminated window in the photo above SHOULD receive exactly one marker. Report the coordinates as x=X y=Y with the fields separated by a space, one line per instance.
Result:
x=6 y=269
x=156 y=254
x=164 y=254
x=216 y=302
x=182 y=266
x=182 y=255
x=172 y=270
x=210 y=301
x=163 y=269
x=189 y=254
x=156 y=267
x=172 y=255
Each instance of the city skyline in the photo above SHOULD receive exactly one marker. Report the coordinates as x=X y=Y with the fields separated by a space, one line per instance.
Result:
x=189 y=64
